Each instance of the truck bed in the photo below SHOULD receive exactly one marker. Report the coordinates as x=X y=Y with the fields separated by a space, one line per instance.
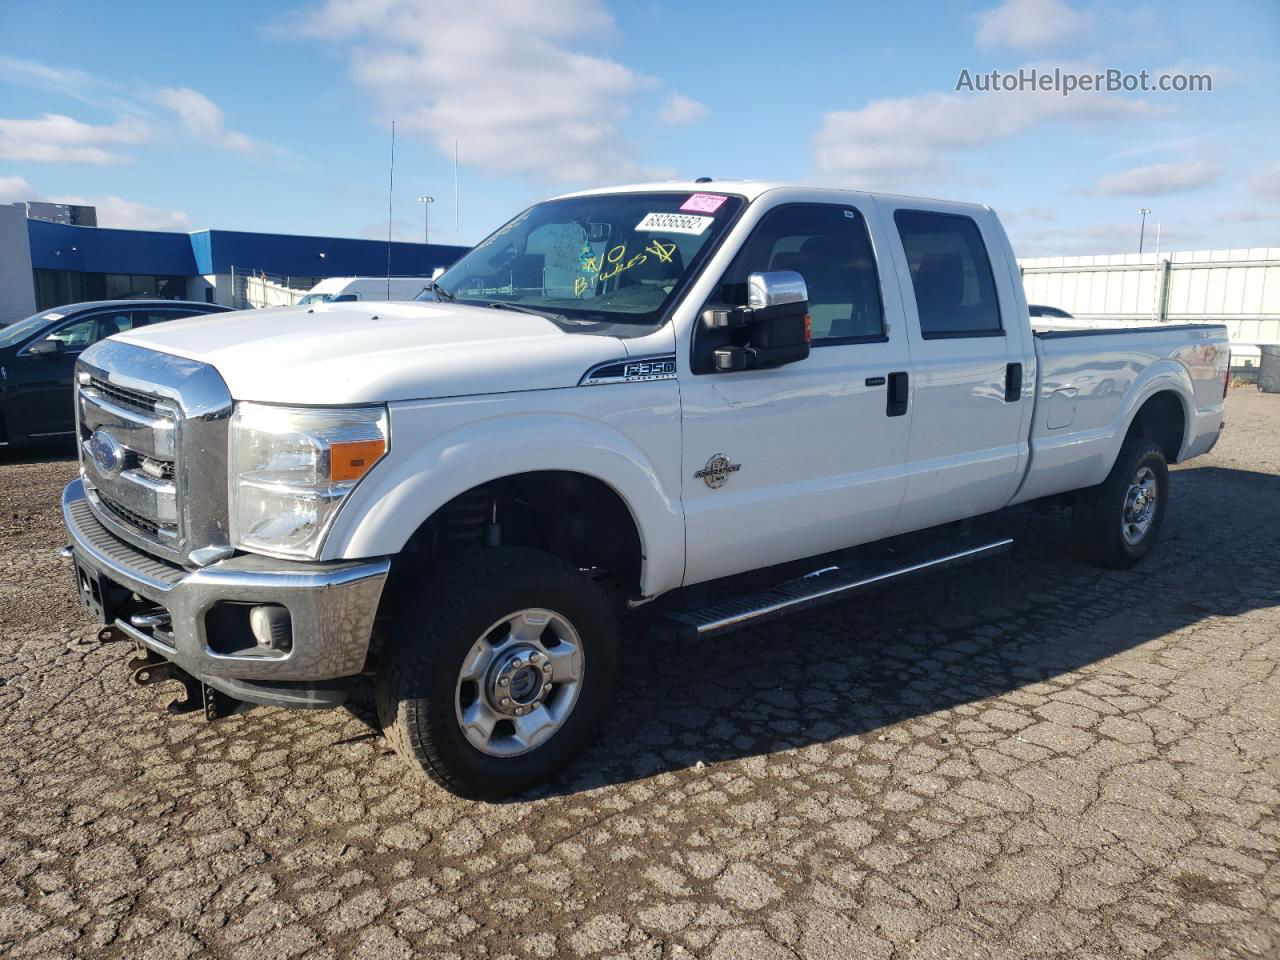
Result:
x=1091 y=382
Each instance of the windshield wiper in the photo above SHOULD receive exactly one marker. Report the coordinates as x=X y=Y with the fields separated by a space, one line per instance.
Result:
x=440 y=292
x=532 y=311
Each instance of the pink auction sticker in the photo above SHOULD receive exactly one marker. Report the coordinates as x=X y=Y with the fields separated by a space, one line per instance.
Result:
x=703 y=203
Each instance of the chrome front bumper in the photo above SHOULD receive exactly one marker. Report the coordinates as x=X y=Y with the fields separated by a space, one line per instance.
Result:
x=331 y=606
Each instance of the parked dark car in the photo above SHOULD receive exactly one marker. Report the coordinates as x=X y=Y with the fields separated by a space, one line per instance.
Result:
x=38 y=358
x=1054 y=313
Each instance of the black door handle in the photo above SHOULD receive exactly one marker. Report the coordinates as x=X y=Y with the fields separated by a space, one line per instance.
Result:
x=896 y=402
x=1013 y=383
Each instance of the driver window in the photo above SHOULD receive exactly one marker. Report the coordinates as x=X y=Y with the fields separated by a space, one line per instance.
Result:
x=75 y=335
x=829 y=246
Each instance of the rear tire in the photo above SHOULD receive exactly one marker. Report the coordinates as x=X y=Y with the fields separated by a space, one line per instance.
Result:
x=473 y=647
x=1116 y=523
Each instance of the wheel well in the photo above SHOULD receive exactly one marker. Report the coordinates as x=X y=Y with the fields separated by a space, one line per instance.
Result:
x=1161 y=419
x=573 y=516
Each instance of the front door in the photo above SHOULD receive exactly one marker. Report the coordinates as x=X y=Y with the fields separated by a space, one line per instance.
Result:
x=806 y=458
x=42 y=384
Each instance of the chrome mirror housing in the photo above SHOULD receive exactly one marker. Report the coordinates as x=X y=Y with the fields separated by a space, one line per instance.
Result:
x=775 y=288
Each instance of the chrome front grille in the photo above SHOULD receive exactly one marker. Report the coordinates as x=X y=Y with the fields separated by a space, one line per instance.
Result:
x=131 y=399
x=153 y=433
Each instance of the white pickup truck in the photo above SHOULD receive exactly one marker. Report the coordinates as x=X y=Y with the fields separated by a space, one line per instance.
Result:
x=619 y=395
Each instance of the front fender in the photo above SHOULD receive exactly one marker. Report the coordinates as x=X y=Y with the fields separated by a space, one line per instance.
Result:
x=428 y=466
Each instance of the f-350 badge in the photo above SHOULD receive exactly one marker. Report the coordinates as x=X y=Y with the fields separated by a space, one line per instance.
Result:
x=716 y=473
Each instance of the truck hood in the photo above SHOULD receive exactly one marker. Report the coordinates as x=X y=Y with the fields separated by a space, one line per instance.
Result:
x=347 y=353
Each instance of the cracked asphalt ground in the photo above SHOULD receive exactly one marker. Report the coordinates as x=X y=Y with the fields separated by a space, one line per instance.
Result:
x=1029 y=758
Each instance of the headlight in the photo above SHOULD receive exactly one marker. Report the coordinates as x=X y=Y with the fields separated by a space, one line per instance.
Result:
x=291 y=468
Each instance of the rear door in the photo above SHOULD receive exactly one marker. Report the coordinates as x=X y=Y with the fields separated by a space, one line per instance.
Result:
x=970 y=362
x=809 y=457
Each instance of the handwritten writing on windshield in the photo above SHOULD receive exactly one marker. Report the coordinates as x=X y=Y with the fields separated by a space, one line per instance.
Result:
x=608 y=264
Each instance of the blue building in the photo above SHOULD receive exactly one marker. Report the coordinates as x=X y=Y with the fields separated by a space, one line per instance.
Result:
x=44 y=263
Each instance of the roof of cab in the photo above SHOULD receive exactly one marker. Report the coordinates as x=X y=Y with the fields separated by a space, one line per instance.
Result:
x=67 y=309
x=751 y=189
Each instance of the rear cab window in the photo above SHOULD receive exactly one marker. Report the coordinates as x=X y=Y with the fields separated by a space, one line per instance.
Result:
x=951 y=275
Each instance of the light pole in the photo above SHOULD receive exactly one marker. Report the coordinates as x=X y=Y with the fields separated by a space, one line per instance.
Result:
x=426 y=217
x=1142 y=230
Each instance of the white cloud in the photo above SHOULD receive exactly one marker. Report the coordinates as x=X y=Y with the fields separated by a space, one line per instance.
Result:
x=13 y=189
x=680 y=111
x=1099 y=238
x=502 y=78
x=198 y=115
x=75 y=84
x=1031 y=25
x=1249 y=215
x=203 y=118
x=115 y=211
x=1158 y=179
x=56 y=138
x=891 y=142
x=1267 y=183
x=1037 y=214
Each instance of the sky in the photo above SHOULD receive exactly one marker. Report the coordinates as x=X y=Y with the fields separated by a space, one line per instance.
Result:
x=277 y=117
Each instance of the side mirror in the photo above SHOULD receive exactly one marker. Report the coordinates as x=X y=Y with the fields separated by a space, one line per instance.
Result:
x=775 y=323
x=47 y=348
x=775 y=289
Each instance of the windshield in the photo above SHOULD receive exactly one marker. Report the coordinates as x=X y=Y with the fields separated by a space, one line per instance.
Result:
x=16 y=333
x=316 y=298
x=594 y=261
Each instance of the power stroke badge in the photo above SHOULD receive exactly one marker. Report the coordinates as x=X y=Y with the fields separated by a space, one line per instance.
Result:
x=716 y=473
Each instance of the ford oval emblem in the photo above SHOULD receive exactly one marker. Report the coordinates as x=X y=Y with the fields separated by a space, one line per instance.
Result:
x=107 y=453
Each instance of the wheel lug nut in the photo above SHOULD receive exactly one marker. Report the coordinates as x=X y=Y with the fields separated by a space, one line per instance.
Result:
x=503 y=681
x=519 y=711
x=517 y=663
x=546 y=668
x=506 y=701
x=546 y=688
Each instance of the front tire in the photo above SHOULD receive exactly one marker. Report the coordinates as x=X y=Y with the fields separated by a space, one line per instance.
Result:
x=1116 y=523
x=497 y=671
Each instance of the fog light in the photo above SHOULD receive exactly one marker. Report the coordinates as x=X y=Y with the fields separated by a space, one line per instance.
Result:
x=271 y=626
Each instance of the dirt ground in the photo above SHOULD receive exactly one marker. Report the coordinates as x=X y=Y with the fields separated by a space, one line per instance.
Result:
x=1030 y=758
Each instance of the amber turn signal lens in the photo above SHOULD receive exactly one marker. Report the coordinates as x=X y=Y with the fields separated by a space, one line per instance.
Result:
x=350 y=461
x=808 y=328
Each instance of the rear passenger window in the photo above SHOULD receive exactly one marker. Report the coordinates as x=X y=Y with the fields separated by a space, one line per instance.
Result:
x=950 y=273
x=110 y=324
x=828 y=246
x=145 y=318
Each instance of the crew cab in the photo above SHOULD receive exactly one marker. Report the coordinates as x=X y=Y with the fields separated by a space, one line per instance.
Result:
x=619 y=396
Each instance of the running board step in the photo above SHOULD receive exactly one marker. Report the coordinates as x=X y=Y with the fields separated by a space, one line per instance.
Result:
x=831 y=584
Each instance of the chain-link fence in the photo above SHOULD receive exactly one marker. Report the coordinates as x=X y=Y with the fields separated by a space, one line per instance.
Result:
x=254 y=289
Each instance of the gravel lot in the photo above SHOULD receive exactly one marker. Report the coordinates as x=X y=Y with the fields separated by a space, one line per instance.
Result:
x=1033 y=758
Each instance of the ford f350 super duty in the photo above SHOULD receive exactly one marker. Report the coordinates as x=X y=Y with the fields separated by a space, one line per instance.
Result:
x=619 y=395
